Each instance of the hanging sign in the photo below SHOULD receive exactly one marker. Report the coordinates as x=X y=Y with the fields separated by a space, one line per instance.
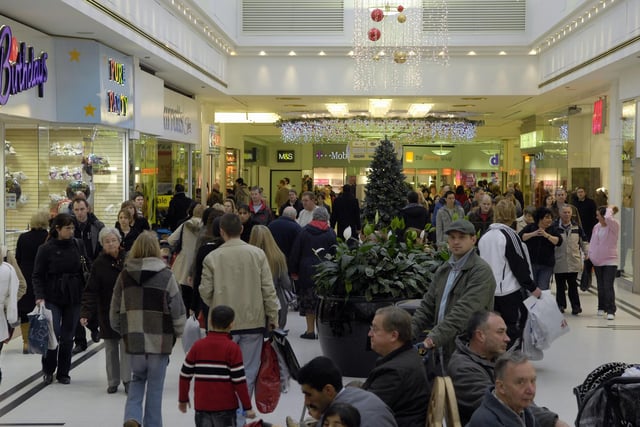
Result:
x=19 y=68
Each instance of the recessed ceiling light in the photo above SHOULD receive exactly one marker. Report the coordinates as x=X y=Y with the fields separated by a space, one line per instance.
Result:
x=533 y=52
x=471 y=53
x=262 y=53
x=350 y=53
x=292 y=53
x=321 y=53
x=233 y=53
x=502 y=52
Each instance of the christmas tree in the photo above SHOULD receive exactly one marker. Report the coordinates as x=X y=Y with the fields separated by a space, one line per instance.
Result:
x=385 y=192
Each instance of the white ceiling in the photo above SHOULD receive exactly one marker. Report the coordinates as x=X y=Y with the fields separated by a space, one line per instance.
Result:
x=502 y=114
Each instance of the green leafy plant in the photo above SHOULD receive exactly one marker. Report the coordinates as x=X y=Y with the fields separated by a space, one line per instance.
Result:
x=380 y=267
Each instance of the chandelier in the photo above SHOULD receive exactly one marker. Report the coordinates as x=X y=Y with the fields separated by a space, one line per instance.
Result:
x=392 y=43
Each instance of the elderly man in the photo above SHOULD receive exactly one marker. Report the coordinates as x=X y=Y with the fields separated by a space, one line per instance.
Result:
x=321 y=384
x=472 y=366
x=460 y=287
x=285 y=229
x=305 y=216
x=399 y=378
x=507 y=404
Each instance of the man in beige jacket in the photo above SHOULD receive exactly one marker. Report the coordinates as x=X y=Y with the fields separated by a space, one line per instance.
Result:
x=237 y=274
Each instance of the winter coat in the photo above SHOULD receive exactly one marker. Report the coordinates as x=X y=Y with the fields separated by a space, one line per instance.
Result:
x=415 y=215
x=237 y=274
x=375 y=412
x=541 y=250
x=96 y=298
x=472 y=375
x=346 y=213
x=303 y=256
x=480 y=224
x=494 y=413
x=57 y=274
x=297 y=205
x=189 y=230
x=444 y=218
x=473 y=290
x=8 y=298
x=569 y=253
x=263 y=216
x=508 y=258
x=399 y=379
x=128 y=240
x=26 y=249
x=146 y=307
x=284 y=231
x=8 y=257
x=88 y=232
x=178 y=207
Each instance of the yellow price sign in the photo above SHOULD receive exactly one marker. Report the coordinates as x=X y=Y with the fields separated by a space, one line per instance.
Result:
x=163 y=201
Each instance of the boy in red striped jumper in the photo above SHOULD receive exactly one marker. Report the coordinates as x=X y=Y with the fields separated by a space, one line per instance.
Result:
x=216 y=363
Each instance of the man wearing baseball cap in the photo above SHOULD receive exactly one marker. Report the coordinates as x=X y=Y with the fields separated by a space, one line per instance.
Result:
x=461 y=286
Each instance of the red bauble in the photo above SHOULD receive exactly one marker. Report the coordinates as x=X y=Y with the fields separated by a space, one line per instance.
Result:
x=13 y=51
x=400 y=8
x=374 y=34
x=377 y=15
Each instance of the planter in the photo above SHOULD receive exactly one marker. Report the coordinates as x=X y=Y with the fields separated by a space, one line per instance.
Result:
x=343 y=328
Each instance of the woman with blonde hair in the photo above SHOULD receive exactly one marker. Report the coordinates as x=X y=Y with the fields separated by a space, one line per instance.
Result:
x=229 y=206
x=262 y=238
x=128 y=233
x=147 y=311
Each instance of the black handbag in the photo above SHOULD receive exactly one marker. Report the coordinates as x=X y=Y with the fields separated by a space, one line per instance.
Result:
x=86 y=272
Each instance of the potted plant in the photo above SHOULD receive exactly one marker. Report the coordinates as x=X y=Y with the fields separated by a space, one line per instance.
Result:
x=356 y=280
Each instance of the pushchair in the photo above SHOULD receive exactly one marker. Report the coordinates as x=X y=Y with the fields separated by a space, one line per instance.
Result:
x=606 y=398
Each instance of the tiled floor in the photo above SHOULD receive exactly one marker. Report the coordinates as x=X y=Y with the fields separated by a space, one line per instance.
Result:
x=591 y=342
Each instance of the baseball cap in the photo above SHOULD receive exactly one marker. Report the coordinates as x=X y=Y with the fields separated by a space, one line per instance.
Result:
x=461 y=225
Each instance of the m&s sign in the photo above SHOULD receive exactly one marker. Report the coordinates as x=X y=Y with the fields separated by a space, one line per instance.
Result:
x=286 y=156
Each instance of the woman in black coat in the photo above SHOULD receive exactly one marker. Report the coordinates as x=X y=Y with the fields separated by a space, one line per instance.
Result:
x=96 y=301
x=313 y=236
x=58 y=282
x=26 y=249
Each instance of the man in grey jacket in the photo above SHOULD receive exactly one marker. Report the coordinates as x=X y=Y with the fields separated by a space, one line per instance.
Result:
x=471 y=367
x=461 y=286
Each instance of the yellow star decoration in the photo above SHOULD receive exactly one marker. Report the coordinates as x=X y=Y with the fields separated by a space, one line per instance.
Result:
x=74 y=55
x=89 y=110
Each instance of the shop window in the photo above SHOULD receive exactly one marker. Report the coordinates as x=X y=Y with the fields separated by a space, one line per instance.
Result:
x=629 y=113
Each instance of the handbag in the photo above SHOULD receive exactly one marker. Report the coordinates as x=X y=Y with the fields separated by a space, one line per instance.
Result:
x=38 y=331
x=83 y=262
x=268 y=380
x=191 y=333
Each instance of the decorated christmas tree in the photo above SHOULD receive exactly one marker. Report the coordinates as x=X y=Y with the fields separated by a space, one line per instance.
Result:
x=386 y=191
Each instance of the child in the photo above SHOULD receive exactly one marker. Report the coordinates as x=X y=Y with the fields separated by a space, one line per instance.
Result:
x=341 y=415
x=215 y=357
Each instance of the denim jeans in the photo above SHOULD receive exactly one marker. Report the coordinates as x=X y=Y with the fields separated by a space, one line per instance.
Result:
x=65 y=319
x=251 y=346
x=215 y=419
x=147 y=370
x=605 y=276
x=542 y=275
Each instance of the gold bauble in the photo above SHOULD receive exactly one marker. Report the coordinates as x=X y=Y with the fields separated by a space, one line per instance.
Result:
x=400 y=57
x=402 y=18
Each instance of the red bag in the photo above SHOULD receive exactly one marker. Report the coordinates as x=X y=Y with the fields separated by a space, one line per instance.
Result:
x=268 y=381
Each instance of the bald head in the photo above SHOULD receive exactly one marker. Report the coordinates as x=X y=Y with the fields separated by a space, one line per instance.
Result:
x=290 y=212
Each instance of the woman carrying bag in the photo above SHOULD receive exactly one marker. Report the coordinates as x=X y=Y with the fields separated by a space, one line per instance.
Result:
x=58 y=282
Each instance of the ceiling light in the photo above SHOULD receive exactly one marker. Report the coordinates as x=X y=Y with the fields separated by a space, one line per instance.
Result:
x=292 y=53
x=350 y=53
x=321 y=53
x=419 y=110
x=441 y=152
x=490 y=152
x=379 y=107
x=533 y=52
x=338 y=110
x=233 y=53
x=471 y=53
x=502 y=52
x=221 y=117
x=262 y=53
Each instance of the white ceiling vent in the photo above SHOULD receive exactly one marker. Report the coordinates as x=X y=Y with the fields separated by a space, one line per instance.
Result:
x=292 y=16
x=480 y=15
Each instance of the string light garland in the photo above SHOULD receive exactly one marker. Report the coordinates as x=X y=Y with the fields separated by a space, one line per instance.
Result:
x=391 y=45
x=405 y=131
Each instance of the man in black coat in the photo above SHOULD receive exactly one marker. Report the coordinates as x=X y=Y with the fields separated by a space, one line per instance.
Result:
x=346 y=212
x=178 y=207
x=285 y=229
x=399 y=378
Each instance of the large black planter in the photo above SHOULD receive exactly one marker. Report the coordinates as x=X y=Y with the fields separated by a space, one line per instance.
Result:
x=343 y=328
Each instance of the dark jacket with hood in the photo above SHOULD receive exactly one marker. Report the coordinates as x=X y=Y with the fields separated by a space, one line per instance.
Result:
x=313 y=236
x=415 y=215
x=57 y=273
x=146 y=307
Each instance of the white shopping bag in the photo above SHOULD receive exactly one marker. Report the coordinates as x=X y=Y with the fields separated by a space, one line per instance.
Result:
x=547 y=322
x=191 y=333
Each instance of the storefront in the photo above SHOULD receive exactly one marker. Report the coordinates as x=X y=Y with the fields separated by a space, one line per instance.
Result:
x=66 y=133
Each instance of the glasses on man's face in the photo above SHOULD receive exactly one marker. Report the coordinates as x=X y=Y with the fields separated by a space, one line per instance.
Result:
x=374 y=328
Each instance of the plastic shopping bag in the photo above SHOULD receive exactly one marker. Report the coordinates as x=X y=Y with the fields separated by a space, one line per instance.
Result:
x=547 y=322
x=191 y=333
x=38 y=331
x=268 y=381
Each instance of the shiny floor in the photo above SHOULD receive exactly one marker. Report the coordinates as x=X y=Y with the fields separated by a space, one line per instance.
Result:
x=25 y=401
